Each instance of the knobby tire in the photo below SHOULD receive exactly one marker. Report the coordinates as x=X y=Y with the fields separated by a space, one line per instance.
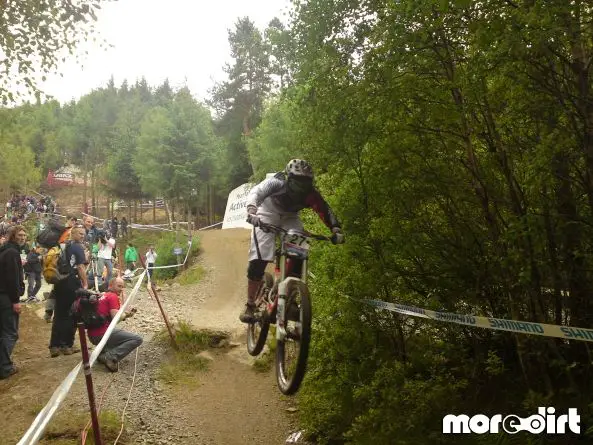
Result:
x=290 y=385
x=255 y=343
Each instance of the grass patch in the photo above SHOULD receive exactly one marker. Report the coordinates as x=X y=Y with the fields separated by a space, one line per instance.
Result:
x=189 y=340
x=36 y=408
x=67 y=426
x=183 y=364
x=163 y=242
x=191 y=276
x=265 y=361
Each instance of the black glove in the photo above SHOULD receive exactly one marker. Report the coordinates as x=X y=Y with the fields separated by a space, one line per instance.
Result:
x=253 y=219
x=338 y=236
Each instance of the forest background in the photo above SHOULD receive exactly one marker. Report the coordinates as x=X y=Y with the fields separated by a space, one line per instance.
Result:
x=454 y=139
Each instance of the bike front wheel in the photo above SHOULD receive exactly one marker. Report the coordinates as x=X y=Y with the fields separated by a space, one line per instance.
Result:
x=257 y=332
x=292 y=352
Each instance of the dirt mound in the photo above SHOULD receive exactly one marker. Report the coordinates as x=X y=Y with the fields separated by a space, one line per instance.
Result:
x=223 y=292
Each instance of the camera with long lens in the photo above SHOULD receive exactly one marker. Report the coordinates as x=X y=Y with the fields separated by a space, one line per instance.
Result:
x=102 y=236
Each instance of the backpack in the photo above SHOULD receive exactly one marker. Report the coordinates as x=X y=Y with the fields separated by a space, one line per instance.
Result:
x=55 y=264
x=50 y=236
x=84 y=310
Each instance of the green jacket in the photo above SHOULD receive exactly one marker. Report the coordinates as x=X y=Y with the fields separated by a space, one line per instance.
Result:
x=131 y=255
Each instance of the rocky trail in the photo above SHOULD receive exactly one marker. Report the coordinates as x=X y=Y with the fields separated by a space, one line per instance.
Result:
x=227 y=403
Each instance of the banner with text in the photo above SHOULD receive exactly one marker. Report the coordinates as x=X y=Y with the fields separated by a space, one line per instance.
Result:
x=235 y=214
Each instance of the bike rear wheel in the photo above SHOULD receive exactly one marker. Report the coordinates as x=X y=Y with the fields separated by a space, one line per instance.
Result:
x=292 y=352
x=257 y=332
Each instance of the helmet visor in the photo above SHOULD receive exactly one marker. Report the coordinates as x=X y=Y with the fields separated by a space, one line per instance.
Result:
x=300 y=185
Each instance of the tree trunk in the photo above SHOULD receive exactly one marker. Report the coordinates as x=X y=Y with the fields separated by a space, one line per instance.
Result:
x=85 y=183
x=129 y=217
x=93 y=188
x=154 y=211
x=168 y=213
x=177 y=244
x=209 y=210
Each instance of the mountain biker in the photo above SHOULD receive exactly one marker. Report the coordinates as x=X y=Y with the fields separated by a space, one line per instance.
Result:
x=278 y=200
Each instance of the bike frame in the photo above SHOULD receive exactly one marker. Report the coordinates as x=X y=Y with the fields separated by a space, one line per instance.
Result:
x=278 y=294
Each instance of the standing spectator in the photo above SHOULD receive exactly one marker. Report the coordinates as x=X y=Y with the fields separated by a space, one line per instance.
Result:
x=12 y=286
x=151 y=257
x=33 y=269
x=131 y=256
x=104 y=257
x=63 y=328
x=91 y=230
x=107 y=227
x=114 y=227
x=51 y=299
x=121 y=342
x=124 y=226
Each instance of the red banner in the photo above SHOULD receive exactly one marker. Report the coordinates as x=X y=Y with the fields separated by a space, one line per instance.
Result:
x=54 y=179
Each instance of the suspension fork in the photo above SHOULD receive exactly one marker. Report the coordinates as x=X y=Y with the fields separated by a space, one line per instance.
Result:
x=280 y=315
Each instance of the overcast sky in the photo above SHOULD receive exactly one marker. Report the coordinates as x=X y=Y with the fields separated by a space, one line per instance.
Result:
x=184 y=40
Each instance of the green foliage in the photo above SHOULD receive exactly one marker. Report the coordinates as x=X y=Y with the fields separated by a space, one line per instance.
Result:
x=66 y=428
x=164 y=247
x=189 y=340
x=453 y=139
x=185 y=362
x=275 y=141
x=457 y=161
x=34 y=36
x=239 y=101
x=174 y=156
x=132 y=142
x=191 y=276
x=17 y=164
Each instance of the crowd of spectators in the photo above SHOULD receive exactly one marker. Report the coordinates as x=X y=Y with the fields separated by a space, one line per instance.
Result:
x=19 y=206
x=91 y=252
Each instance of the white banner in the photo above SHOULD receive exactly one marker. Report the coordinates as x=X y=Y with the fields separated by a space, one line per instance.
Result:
x=236 y=208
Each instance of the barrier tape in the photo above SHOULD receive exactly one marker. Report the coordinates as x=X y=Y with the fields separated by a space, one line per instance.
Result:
x=212 y=225
x=139 y=227
x=33 y=434
x=189 y=244
x=498 y=324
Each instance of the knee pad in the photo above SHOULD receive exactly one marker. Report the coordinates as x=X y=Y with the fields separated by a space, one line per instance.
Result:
x=256 y=269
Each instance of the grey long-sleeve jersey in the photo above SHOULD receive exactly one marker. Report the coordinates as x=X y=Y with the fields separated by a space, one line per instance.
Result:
x=271 y=196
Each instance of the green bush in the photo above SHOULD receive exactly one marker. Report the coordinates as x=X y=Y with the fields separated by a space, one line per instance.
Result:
x=164 y=246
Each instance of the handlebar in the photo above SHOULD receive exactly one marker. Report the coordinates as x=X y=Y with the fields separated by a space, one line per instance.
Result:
x=278 y=229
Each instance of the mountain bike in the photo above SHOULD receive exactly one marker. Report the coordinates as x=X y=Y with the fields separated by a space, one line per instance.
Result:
x=284 y=300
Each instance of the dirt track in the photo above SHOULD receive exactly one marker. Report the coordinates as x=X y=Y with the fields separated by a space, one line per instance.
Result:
x=231 y=404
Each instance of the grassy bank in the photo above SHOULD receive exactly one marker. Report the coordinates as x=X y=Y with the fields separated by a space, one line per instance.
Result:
x=164 y=243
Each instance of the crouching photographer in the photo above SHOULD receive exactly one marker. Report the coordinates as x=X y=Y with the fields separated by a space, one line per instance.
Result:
x=96 y=312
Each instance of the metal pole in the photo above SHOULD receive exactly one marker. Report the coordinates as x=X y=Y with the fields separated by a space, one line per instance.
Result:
x=89 y=384
x=156 y=297
x=177 y=244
